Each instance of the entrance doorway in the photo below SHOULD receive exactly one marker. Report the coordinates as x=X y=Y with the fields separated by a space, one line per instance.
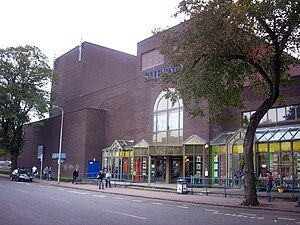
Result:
x=158 y=169
x=176 y=169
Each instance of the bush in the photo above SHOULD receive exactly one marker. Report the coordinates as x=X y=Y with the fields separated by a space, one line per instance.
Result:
x=5 y=171
x=63 y=178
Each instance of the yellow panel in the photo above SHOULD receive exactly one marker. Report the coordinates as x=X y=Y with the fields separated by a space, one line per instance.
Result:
x=274 y=146
x=237 y=149
x=262 y=147
x=286 y=146
x=128 y=154
x=219 y=149
x=296 y=146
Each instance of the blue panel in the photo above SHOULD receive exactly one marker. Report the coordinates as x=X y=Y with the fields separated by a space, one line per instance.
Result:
x=93 y=169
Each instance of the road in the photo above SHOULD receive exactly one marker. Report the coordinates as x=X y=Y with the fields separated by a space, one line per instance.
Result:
x=34 y=203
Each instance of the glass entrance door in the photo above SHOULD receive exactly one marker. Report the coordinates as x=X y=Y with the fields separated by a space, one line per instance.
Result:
x=159 y=169
x=176 y=169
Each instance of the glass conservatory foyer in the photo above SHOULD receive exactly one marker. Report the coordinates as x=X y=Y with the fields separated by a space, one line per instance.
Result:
x=276 y=149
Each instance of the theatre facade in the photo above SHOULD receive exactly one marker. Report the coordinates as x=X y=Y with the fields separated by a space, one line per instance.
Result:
x=115 y=119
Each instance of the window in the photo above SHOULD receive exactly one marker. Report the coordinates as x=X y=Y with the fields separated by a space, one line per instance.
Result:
x=293 y=112
x=167 y=120
x=272 y=115
x=281 y=114
x=275 y=115
x=151 y=59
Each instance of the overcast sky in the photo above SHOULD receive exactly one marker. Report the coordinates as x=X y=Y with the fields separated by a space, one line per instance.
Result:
x=56 y=26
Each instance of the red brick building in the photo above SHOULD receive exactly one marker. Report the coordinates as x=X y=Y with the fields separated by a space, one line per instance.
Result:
x=112 y=111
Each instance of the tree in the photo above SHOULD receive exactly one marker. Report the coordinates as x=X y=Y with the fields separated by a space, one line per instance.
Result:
x=226 y=45
x=24 y=72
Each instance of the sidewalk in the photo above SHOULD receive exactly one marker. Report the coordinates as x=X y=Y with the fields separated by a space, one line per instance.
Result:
x=168 y=192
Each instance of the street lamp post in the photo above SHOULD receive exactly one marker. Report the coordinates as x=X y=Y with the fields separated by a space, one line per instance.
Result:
x=60 y=140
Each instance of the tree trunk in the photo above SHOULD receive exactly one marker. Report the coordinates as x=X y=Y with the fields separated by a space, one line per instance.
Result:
x=250 y=185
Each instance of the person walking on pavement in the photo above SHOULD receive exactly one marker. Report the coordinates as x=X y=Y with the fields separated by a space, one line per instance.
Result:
x=107 y=179
x=75 y=176
x=49 y=173
x=45 y=173
x=270 y=181
x=100 y=178
x=34 y=171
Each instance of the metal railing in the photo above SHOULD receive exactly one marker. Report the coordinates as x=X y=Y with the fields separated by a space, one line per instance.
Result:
x=194 y=182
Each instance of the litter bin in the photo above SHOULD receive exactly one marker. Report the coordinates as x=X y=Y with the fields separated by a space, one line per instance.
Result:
x=181 y=186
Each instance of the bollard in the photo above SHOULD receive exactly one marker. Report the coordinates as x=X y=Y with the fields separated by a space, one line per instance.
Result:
x=298 y=202
x=225 y=188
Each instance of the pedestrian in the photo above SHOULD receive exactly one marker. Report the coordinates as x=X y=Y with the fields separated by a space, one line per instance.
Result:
x=45 y=173
x=100 y=178
x=107 y=179
x=75 y=176
x=49 y=173
x=34 y=171
x=270 y=181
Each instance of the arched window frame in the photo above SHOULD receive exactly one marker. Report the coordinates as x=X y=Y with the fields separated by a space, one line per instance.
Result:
x=167 y=121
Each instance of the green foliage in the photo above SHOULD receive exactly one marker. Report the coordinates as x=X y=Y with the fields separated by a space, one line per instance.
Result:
x=24 y=73
x=227 y=45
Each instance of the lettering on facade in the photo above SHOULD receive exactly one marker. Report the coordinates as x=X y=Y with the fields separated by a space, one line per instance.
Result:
x=157 y=72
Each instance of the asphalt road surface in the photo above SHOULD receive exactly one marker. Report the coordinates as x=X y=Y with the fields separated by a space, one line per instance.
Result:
x=33 y=203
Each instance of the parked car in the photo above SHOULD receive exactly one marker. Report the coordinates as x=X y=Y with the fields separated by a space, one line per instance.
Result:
x=21 y=175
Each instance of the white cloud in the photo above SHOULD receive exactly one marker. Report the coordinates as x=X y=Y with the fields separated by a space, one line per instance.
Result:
x=56 y=26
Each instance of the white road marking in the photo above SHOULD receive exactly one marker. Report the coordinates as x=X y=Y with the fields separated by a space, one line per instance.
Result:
x=134 y=200
x=99 y=196
x=229 y=214
x=156 y=203
x=61 y=189
x=22 y=191
x=282 y=218
x=260 y=218
x=182 y=206
x=248 y=214
x=119 y=198
x=2 y=186
x=211 y=210
x=297 y=222
x=125 y=214
x=79 y=192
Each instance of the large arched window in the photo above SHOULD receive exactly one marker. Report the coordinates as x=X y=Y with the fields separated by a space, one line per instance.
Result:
x=167 y=121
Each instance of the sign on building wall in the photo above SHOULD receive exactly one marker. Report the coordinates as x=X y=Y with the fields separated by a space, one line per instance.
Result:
x=56 y=155
x=157 y=72
x=40 y=151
